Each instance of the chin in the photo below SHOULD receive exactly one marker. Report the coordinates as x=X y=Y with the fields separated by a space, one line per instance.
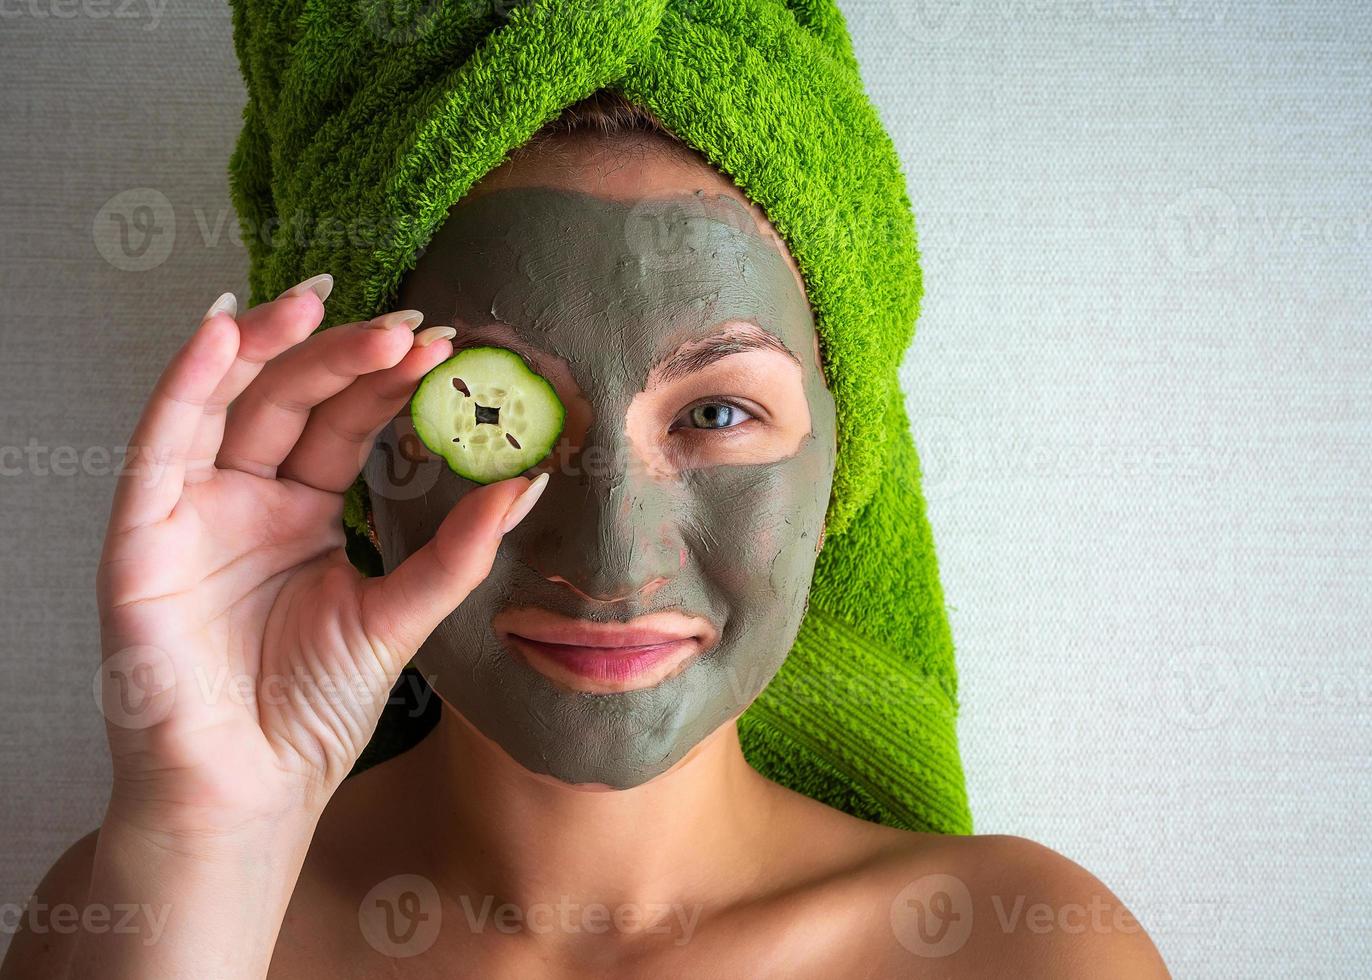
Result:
x=595 y=741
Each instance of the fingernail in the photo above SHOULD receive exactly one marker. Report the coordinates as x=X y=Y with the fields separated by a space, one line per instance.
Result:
x=227 y=303
x=409 y=318
x=428 y=335
x=321 y=285
x=523 y=503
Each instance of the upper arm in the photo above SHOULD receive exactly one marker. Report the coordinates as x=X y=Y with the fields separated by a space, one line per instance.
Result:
x=43 y=944
x=999 y=905
x=1069 y=924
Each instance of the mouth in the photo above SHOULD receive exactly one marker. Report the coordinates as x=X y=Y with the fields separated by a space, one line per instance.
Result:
x=604 y=658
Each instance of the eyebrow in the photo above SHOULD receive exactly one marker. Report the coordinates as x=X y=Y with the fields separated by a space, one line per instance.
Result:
x=696 y=355
x=690 y=358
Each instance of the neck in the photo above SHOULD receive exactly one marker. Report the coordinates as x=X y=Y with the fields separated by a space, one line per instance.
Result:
x=492 y=828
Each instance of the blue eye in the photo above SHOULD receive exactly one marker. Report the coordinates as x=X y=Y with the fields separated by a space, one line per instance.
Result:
x=716 y=415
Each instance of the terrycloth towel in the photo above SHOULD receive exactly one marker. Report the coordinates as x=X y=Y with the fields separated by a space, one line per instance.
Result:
x=368 y=119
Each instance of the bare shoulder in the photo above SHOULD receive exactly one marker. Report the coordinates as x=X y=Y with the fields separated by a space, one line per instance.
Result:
x=1004 y=905
x=42 y=945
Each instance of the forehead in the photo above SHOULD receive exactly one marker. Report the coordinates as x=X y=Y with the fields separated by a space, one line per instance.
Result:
x=611 y=265
x=627 y=169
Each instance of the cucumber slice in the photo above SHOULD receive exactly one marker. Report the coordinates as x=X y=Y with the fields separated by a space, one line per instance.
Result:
x=486 y=414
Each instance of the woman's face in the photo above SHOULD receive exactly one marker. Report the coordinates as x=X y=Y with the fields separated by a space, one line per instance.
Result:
x=659 y=582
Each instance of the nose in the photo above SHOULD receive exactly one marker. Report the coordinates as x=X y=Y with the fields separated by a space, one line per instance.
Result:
x=607 y=536
x=645 y=590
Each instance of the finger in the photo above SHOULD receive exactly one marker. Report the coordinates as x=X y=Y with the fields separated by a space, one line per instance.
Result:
x=152 y=478
x=401 y=609
x=264 y=332
x=339 y=434
x=266 y=420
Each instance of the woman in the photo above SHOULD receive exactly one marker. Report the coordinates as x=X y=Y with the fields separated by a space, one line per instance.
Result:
x=584 y=805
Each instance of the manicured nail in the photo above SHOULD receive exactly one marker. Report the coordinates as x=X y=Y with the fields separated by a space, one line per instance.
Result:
x=407 y=318
x=321 y=285
x=523 y=503
x=227 y=303
x=428 y=335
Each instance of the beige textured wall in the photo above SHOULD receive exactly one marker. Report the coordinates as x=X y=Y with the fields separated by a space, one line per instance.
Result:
x=1141 y=386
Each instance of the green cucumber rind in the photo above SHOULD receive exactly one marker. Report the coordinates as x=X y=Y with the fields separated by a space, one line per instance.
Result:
x=439 y=444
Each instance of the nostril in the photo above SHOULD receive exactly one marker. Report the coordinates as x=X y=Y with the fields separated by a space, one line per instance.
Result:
x=650 y=587
x=647 y=589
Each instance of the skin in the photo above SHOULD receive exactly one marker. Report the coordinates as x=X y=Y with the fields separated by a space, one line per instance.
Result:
x=717 y=524
x=723 y=872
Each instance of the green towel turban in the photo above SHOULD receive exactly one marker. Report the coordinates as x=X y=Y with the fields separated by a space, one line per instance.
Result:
x=367 y=120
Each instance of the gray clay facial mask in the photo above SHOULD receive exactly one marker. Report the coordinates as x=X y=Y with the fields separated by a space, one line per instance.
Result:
x=588 y=281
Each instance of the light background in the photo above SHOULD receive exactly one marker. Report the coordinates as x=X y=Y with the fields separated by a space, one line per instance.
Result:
x=1140 y=385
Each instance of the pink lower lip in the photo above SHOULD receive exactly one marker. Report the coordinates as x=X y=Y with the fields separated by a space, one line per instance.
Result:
x=606 y=664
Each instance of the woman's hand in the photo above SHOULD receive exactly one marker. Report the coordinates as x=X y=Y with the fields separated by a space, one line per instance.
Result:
x=246 y=662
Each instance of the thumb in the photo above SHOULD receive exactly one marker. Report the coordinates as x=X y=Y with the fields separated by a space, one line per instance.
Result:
x=401 y=609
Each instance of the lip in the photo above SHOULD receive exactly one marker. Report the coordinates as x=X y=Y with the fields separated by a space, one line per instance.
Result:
x=604 y=658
